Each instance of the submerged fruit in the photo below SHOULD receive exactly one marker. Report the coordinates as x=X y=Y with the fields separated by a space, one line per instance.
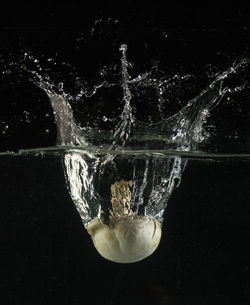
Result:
x=127 y=237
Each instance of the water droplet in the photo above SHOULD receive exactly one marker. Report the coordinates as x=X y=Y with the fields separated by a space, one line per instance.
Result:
x=164 y=35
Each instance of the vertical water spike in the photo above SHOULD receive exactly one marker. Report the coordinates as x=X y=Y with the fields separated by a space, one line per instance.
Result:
x=123 y=128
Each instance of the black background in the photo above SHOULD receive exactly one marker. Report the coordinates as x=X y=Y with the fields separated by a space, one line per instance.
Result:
x=46 y=254
x=198 y=40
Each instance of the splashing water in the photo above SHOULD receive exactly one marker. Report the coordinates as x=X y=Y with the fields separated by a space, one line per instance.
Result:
x=123 y=129
x=153 y=177
x=182 y=131
x=126 y=159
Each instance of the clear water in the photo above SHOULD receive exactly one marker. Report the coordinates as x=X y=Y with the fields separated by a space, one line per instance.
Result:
x=203 y=251
x=134 y=128
x=149 y=151
x=144 y=111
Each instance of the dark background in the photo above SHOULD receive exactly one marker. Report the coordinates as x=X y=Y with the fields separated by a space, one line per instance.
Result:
x=48 y=258
x=197 y=40
x=46 y=254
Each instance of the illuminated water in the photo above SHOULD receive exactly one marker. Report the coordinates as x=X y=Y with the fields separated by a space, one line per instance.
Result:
x=151 y=151
x=170 y=145
x=205 y=234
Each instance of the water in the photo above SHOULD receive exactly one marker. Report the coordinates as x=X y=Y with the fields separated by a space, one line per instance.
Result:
x=121 y=112
x=205 y=236
x=174 y=155
x=139 y=150
x=151 y=153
